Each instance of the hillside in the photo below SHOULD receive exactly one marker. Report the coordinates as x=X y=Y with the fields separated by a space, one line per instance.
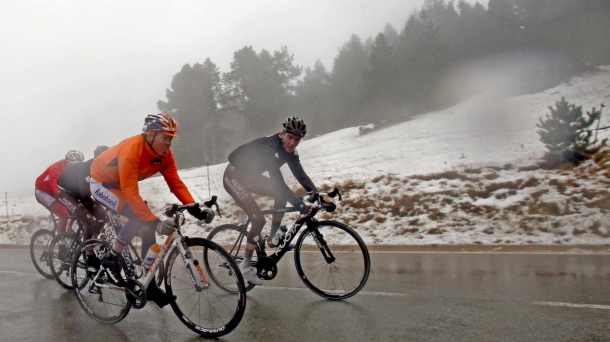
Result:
x=463 y=175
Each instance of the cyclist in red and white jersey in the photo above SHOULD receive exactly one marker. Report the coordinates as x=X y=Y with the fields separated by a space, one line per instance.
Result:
x=46 y=187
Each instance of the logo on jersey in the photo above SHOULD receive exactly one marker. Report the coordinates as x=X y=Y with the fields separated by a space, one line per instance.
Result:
x=67 y=204
x=100 y=195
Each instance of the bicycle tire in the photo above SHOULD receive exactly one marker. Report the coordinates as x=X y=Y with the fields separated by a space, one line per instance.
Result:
x=335 y=279
x=226 y=236
x=39 y=251
x=218 y=311
x=62 y=269
x=105 y=303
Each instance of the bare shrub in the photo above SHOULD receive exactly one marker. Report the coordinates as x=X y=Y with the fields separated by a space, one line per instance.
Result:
x=473 y=171
x=491 y=176
x=503 y=185
x=380 y=219
x=414 y=222
x=577 y=231
x=543 y=208
x=531 y=182
x=450 y=174
x=436 y=215
x=528 y=168
x=597 y=229
x=366 y=218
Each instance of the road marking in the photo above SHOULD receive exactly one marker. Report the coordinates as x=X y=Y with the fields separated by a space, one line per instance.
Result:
x=389 y=294
x=571 y=305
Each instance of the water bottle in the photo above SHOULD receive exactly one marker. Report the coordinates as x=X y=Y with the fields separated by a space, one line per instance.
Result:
x=151 y=255
x=279 y=235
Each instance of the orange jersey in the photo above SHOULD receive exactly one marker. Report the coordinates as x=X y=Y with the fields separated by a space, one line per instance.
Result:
x=131 y=161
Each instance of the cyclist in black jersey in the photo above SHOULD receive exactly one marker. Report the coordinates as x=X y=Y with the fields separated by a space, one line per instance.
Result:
x=244 y=176
x=73 y=192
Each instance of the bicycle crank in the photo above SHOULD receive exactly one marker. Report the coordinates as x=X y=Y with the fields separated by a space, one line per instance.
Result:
x=135 y=294
x=266 y=268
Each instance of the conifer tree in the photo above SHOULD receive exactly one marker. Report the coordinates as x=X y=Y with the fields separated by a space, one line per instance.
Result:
x=565 y=132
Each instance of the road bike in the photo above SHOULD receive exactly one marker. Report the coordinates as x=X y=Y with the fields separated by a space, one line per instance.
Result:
x=330 y=257
x=205 y=307
x=64 y=245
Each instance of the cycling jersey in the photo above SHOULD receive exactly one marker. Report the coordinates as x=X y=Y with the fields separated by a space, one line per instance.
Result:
x=46 y=193
x=47 y=181
x=75 y=179
x=121 y=167
x=267 y=154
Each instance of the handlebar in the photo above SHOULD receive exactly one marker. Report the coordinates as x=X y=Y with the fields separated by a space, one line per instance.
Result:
x=334 y=193
x=170 y=212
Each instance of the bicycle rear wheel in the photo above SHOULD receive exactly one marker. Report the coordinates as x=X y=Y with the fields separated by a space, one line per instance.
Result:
x=338 y=269
x=233 y=239
x=101 y=300
x=63 y=247
x=40 y=251
x=210 y=310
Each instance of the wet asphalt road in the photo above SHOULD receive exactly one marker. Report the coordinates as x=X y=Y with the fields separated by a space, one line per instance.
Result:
x=409 y=297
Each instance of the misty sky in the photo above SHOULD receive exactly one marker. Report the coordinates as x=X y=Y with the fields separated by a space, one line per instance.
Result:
x=76 y=74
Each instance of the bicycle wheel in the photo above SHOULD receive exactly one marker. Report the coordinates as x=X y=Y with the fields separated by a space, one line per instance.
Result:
x=233 y=239
x=39 y=251
x=340 y=269
x=63 y=247
x=210 y=311
x=101 y=300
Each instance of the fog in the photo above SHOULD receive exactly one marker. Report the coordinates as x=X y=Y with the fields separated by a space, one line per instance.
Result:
x=76 y=74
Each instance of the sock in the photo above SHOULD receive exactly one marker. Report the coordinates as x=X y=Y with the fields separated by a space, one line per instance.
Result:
x=117 y=247
x=247 y=262
x=274 y=226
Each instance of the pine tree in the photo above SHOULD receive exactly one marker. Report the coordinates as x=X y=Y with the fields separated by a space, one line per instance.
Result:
x=564 y=133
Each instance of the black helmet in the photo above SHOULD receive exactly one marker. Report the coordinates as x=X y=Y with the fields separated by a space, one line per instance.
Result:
x=295 y=126
x=99 y=150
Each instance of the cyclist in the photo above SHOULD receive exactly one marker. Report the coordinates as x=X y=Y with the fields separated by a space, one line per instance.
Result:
x=46 y=189
x=244 y=177
x=114 y=183
x=74 y=193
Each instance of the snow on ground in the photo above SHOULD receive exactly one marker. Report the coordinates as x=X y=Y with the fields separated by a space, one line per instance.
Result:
x=462 y=175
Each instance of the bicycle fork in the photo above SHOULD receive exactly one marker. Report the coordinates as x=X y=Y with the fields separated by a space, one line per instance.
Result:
x=319 y=239
x=193 y=268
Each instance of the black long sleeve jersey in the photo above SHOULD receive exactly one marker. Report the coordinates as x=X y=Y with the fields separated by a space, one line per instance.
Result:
x=267 y=154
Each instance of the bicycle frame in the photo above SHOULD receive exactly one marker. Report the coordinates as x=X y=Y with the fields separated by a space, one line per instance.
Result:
x=111 y=234
x=286 y=239
x=185 y=253
x=186 y=256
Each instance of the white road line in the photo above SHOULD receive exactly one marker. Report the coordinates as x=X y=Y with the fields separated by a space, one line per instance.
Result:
x=390 y=294
x=586 y=306
x=16 y=272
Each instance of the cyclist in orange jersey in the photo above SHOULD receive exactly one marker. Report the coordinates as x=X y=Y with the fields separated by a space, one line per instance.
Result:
x=114 y=183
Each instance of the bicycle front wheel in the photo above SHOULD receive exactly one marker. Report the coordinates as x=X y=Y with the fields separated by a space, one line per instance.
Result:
x=40 y=251
x=206 y=308
x=101 y=300
x=233 y=239
x=332 y=260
